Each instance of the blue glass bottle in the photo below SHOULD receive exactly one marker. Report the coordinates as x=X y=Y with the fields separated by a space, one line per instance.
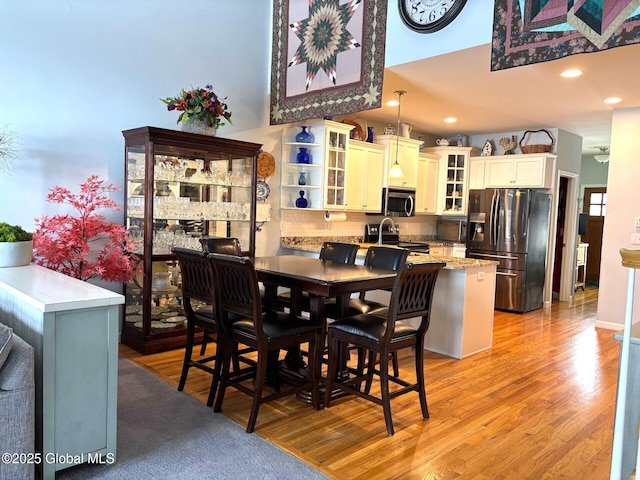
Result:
x=304 y=136
x=303 y=156
x=302 y=202
x=302 y=179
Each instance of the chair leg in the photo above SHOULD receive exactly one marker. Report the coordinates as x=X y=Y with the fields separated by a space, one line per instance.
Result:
x=394 y=362
x=188 y=352
x=384 y=391
x=225 y=350
x=261 y=373
x=205 y=340
x=313 y=370
x=420 y=380
x=217 y=368
x=370 y=369
x=332 y=368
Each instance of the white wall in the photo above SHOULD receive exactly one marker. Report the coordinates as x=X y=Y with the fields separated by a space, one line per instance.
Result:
x=77 y=73
x=623 y=206
x=472 y=27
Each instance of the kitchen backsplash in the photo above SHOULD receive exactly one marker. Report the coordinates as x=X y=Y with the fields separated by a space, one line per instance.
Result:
x=298 y=223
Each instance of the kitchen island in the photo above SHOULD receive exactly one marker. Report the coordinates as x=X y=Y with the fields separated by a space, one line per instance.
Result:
x=462 y=315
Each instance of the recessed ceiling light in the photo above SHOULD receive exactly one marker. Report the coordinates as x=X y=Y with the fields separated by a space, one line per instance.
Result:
x=612 y=100
x=571 y=73
x=392 y=103
x=450 y=120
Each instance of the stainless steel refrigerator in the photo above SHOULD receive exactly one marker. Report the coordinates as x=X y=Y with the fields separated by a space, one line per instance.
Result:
x=511 y=226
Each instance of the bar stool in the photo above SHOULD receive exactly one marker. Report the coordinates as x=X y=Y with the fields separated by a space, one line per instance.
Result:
x=381 y=335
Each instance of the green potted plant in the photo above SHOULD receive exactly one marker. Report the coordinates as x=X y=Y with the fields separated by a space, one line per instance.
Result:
x=16 y=246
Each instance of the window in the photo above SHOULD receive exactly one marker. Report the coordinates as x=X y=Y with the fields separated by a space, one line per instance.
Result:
x=597 y=204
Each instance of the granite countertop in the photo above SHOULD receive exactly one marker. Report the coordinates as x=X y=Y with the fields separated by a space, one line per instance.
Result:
x=453 y=263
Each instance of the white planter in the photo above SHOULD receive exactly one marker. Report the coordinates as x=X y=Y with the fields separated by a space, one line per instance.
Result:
x=16 y=254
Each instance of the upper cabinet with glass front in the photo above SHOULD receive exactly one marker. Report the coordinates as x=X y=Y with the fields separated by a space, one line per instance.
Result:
x=454 y=182
x=314 y=165
x=180 y=187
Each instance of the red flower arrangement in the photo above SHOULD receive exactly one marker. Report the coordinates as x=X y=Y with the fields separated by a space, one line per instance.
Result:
x=64 y=242
x=200 y=104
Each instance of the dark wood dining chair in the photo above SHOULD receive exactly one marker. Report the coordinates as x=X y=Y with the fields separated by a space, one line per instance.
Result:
x=389 y=258
x=332 y=251
x=228 y=246
x=197 y=286
x=238 y=295
x=411 y=296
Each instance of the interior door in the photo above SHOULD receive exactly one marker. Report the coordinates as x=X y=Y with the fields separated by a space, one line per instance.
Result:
x=595 y=204
x=560 y=243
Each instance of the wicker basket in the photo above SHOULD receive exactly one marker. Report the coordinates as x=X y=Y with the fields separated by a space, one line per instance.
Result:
x=536 y=148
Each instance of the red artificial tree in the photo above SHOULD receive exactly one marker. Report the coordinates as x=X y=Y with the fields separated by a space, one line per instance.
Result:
x=85 y=246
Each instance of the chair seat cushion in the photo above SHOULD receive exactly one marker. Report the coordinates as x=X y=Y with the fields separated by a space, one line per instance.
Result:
x=357 y=306
x=371 y=327
x=277 y=325
x=206 y=312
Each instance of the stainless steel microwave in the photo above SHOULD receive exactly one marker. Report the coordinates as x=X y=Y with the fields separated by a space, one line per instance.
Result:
x=399 y=202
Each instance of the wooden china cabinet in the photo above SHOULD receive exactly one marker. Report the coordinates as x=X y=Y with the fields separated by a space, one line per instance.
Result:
x=179 y=187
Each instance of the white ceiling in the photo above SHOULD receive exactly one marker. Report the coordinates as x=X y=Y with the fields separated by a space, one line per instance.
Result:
x=524 y=98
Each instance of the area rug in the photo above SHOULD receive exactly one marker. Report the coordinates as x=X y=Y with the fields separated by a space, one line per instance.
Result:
x=163 y=433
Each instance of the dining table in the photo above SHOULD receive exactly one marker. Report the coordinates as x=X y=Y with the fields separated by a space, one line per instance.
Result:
x=321 y=279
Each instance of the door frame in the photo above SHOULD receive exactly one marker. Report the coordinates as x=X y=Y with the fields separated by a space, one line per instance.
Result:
x=567 y=266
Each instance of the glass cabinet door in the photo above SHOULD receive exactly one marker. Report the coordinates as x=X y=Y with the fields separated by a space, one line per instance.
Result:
x=335 y=169
x=180 y=188
x=454 y=186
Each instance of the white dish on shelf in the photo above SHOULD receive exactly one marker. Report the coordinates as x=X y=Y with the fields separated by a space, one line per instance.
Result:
x=162 y=325
x=176 y=319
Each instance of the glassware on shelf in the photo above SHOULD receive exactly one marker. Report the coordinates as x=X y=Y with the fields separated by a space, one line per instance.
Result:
x=302 y=202
x=302 y=179
x=303 y=156
x=304 y=136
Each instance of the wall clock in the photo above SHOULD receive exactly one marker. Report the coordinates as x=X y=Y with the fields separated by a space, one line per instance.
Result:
x=428 y=16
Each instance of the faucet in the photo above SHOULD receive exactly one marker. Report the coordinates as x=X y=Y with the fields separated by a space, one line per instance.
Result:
x=393 y=226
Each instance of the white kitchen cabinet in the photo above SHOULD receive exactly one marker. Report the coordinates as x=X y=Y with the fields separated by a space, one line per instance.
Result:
x=532 y=170
x=324 y=187
x=364 y=176
x=476 y=173
x=454 y=182
x=427 y=188
x=407 y=152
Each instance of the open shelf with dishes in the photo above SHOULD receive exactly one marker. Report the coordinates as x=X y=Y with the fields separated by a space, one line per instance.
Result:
x=180 y=187
x=314 y=169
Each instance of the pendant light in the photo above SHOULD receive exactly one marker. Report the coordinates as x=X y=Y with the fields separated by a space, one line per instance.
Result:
x=396 y=170
x=603 y=156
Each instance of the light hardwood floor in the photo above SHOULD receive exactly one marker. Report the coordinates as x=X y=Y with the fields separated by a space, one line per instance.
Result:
x=538 y=405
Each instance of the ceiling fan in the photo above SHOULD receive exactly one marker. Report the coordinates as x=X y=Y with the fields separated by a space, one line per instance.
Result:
x=603 y=156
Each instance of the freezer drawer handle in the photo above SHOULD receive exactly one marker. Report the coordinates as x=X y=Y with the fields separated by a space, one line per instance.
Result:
x=506 y=257
x=507 y=274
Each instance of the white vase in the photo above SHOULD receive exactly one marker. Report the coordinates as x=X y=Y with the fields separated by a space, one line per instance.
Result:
x=16 y=254
x=198 y=126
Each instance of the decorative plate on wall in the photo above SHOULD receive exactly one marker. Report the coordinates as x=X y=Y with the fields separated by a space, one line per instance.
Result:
x=262 y=190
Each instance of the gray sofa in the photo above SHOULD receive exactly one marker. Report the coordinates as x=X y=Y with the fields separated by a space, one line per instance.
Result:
x=17 y=404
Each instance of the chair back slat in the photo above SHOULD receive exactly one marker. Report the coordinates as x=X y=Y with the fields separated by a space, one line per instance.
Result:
x=197 y=275
x=412 y=294
x=339 y=252
x=237 y=288
x=386 y=257
x=226 y=245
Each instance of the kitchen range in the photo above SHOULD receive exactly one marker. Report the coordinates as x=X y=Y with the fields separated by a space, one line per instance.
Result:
x=391 y=236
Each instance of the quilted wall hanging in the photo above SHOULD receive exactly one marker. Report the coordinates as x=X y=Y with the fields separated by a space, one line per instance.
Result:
x=327 y=58
x=533 y=31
